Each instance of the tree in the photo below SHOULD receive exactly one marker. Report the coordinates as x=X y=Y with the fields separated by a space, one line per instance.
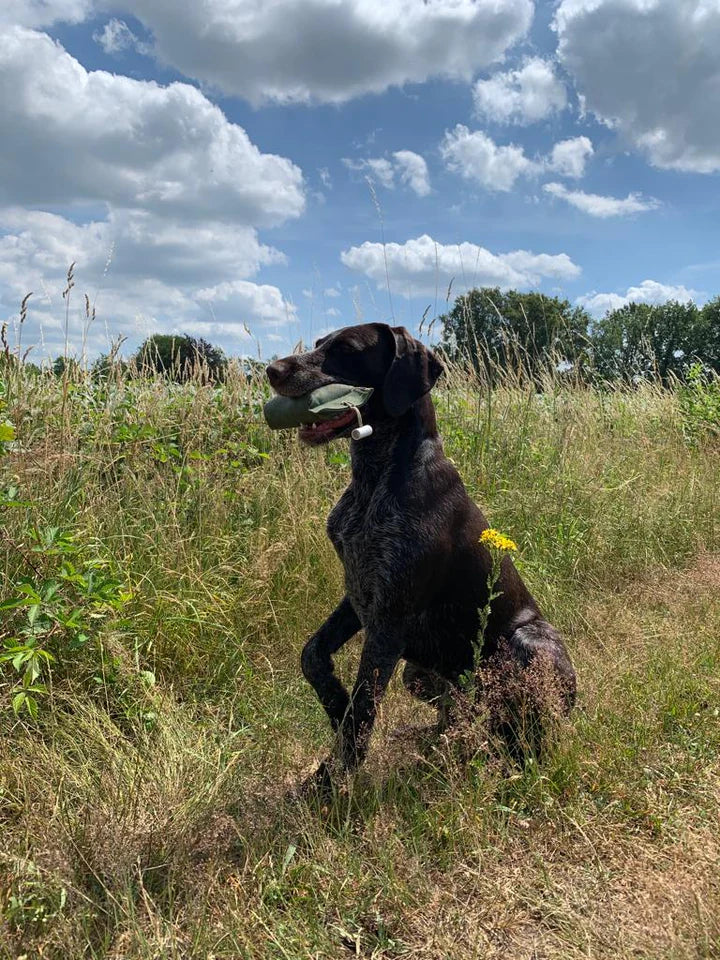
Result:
x=107 y=366
x=62 y=365
x=495 y=328
x=181 y=357
x=646 y=340
x=711 y=327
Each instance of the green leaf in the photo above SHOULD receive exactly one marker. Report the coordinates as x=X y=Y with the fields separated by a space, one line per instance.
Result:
x=20 y=658
x=18 y=700
x=13 y=603
x=29 y=590
x=7 y=432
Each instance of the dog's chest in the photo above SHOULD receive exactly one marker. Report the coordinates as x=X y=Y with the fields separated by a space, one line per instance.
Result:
x=370 y=537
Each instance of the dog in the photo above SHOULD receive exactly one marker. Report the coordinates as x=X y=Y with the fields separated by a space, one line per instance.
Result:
x=408 y=536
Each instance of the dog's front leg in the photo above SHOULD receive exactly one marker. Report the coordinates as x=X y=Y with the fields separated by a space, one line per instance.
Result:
x=378 y=660
x=317 y=664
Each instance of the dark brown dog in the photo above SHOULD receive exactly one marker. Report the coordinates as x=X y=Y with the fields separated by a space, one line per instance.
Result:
x=408 y=537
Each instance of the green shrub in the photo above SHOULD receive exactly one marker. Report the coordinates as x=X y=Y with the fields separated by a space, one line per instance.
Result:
x=699 y=400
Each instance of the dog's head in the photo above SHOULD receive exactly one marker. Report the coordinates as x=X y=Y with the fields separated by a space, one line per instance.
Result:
x=398 y=367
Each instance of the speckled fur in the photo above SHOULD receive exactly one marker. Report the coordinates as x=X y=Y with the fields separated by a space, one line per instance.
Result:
x=408 y=537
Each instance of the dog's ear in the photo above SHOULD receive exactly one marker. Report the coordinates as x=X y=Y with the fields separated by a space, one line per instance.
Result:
x=411 y=374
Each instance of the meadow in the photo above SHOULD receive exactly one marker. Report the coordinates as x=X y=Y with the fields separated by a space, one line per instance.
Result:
x=164 y=559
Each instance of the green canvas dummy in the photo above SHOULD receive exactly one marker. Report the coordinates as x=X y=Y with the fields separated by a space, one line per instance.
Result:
x=325 y=403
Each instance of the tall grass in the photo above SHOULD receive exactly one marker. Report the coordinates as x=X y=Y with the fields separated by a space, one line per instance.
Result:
x=149 y=810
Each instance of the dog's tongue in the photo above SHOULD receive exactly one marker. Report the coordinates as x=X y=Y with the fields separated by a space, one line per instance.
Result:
x=326 y=428
x=326 y=404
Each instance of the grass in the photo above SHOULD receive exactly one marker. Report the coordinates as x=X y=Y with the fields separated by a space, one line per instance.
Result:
x=147 y=812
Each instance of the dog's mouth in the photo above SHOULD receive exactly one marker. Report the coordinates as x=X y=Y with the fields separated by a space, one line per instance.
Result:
x=323 y=431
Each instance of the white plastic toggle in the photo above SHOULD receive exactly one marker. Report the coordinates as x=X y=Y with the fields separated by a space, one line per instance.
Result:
x=362 y=430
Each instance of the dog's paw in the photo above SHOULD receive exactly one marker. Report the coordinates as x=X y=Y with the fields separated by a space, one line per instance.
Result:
x=320 y=786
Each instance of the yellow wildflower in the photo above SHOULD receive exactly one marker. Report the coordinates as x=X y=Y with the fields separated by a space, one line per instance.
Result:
x=493 y=538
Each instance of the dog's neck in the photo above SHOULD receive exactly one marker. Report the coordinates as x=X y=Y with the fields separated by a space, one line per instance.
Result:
x=393 y=444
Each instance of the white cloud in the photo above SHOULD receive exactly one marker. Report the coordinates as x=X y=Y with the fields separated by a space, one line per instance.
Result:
x=412 y=171
x=381 y=171
x=164 y=195
x=410 y=168
x=421 y=267
x=599 y=206
x=330 y=51
x=568 y=157
x=521 y=96
x=378 y=169
x=43 y=13
x=260 y=303
x=143 y=275
x=73 y=135
x=649 y=68
x=116 y=37
x=649 y=291
x=299 y=51
x=331 y=292
x=475 y=156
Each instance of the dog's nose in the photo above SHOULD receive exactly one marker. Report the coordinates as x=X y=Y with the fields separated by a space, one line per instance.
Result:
x=277 y=371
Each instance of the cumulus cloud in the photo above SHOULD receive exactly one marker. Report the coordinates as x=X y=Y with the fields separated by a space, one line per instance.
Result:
x=421 y=266
x=381 y=171
x=43 y=13
x=164 y=195
x=300 y=51
x=649 y=68
x=568 y=157
x=649 y=291
x=523 y=96
x=599 y=206
x=116 y=37
x=412 y=171
x=260 y=303
x=142 y=274
x=75 y=135
x=476 y=156
x=297 y=51
x=378 y=169
x=409 y=168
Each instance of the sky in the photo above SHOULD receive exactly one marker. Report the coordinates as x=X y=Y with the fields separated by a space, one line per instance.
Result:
x=259 y=172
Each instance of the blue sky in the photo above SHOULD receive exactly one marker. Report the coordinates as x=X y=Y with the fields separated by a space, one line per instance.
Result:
x=231 y=169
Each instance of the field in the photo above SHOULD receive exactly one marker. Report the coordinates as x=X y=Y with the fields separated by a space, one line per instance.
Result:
x=164 y=559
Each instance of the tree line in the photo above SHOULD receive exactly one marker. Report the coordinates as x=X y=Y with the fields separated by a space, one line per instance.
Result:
x=496 y=330
x=493 y=331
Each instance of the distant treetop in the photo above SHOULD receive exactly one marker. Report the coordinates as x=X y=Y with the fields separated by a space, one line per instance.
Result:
x=180 y=357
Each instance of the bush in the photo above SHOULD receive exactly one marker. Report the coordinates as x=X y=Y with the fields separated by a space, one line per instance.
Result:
x=699 y=399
